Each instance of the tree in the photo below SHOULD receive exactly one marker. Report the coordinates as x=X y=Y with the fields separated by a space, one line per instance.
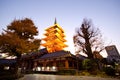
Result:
x=88 y=39
x=19 y=38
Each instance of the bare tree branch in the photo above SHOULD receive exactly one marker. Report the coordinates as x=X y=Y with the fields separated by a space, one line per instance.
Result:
x=88 y=38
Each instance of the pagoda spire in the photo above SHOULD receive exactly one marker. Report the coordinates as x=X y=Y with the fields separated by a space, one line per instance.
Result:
x=55 y=21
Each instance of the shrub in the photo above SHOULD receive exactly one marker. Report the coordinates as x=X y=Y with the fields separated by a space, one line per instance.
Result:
x=89 y=65
x=67 y=72
x=84 y=73
x=109 y=71
x=86 y=64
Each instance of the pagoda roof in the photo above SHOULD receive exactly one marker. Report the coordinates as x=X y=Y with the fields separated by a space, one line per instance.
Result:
x=55 y=38
x=56 y=54
x=54 y=32
x=52 y=27
x=49 y=44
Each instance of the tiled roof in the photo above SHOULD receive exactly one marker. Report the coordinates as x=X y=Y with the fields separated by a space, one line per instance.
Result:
x=7 y=61
x=33 y=54
x=56 y=54
x=81 y=57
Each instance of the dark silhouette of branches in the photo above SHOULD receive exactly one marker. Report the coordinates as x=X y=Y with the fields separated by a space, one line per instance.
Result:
x=88 y=39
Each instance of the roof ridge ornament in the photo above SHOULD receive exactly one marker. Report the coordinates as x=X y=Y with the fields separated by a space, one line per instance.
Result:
x=55 y=21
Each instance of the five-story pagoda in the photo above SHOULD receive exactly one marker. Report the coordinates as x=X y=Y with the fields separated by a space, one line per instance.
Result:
x=54 y=40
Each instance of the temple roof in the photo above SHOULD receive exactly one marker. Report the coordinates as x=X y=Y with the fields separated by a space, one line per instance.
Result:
x=7 y=61
x=35 y=54
x=81 y=57
x=57 y=54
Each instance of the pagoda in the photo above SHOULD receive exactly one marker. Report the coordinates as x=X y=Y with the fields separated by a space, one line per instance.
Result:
x=54 y=40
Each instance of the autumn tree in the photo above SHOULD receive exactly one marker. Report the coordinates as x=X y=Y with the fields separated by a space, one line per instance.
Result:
x=19 y=38
x=88 y=39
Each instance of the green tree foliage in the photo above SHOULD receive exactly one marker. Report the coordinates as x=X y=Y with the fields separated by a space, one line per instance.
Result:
x=86 y=64
x=18 y=38
x=90 y=66
x=88 y=39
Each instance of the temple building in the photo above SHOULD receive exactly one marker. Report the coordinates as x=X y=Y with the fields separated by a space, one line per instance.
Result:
x=55 y=61
x=53 y=57
x=54 y=40
x=57 y=58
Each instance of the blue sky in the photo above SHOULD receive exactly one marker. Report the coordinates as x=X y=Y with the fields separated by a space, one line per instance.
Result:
x=105 y=15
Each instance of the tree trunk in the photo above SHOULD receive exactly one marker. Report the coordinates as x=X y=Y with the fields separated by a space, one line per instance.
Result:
x=88 y=48
x=17 y=63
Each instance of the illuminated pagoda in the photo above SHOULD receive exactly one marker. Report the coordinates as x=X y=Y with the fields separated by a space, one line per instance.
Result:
x=54 y=40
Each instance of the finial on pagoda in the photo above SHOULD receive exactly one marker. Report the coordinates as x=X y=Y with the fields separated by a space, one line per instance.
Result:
x=55 y=21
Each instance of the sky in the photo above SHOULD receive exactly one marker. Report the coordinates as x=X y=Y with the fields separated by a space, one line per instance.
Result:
x=105 y=15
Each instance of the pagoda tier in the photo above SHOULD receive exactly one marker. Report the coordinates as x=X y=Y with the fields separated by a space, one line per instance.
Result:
x=56 y=26
x=54 y=31
x=54 y=40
